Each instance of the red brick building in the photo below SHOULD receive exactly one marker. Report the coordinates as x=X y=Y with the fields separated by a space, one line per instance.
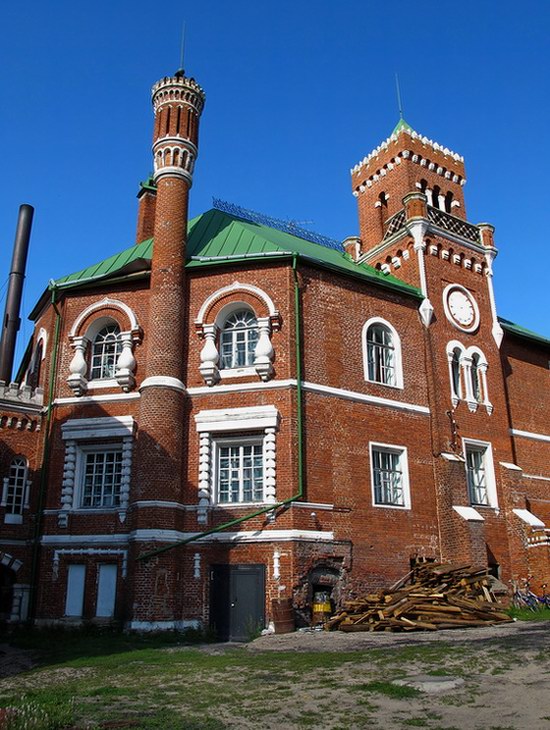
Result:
x=230 y=412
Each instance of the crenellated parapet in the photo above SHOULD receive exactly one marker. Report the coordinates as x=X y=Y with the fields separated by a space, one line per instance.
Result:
x=16 y=396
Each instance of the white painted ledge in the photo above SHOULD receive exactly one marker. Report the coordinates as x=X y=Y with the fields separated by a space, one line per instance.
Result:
x=528 y=517
x=469 y=514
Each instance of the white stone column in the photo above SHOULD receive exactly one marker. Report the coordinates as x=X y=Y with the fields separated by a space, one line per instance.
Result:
x=78 y=366
x=126 y=473
x=126 y=363
x=210 y=355
x=68 y=483
x=270 y=459
x=205 y=477
x=482 y=370
x=263 y=354
x=466 y=366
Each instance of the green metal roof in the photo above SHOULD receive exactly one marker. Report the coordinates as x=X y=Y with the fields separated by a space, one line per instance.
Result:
x=216 y=237
x=402 y=124
x=516 y=329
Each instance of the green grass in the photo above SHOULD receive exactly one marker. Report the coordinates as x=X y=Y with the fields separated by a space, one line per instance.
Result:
x=164 y=683
x=525 y=614
x=396 y=691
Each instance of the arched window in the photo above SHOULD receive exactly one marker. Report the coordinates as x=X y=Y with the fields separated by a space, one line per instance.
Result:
x=476 y=378
x=382 y=353
x=106 y=348
x=238 y=339
x=33 y=375
x=15 y=487
x=448 y=202
x=455 y=372
x=436 y=192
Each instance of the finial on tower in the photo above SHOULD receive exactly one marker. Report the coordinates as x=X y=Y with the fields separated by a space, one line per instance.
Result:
x=180 y=73
x=399 y=104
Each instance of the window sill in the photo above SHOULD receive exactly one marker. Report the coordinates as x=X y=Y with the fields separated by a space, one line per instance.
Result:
x=385 y=385
x=98 y=384
x=11 y=519
x=259 y=505
x=392 y=506
x=88 y=510
x=237 y=372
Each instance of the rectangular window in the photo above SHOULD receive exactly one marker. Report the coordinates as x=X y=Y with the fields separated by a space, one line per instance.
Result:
x=390 y=482
x=74 y=603
x=476 y=470
x=106 y=590
x=101 y=479
x=240 y=472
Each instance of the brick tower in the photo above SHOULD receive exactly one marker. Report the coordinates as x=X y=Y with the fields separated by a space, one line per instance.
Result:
x=178 y=102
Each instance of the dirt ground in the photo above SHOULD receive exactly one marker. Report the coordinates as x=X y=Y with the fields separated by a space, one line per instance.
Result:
x=494 y=678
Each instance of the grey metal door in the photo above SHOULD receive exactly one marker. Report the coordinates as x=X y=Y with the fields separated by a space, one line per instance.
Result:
x=237 y=606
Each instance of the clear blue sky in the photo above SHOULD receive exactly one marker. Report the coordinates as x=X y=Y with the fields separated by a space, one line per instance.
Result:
x=297 y=93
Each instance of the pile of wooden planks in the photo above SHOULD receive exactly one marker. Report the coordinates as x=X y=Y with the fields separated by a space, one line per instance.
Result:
x=432 y=596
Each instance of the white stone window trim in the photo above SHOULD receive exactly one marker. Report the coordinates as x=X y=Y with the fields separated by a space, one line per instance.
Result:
x=489 y=467
x=256 y=422
x=396 y=341
x=94 y=432
x=402 y=451
x=210 y=332
x=79 y=366
x=466 y=384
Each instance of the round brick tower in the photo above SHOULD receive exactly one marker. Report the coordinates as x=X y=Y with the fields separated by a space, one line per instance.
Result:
x=178 y=102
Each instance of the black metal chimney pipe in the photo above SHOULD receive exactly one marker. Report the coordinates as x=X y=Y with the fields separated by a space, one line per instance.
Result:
x=12 y=320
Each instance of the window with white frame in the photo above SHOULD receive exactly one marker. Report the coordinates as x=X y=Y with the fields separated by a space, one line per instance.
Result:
x=389 y=476
x=101 y=476
x=237 y=457
x=238 y=339
x=106 y=348
x=15 y=495
x=97 y=468
x=480 y=474
x=239 y=475
x=382 y=353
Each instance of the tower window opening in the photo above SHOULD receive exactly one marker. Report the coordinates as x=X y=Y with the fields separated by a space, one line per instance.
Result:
x=436 y=192
x=167 y=128
x=448 y=201
x=178 y=120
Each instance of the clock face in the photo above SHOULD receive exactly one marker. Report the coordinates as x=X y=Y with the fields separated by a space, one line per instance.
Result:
x=461 y=308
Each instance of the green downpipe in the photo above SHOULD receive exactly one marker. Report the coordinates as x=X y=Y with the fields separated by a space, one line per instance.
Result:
x=45 y=460
x=299 y=408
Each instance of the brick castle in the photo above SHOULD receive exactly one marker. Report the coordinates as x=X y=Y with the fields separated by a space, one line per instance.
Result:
x=232 y=411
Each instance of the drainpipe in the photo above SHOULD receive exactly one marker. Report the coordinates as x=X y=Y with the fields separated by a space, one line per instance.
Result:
x=300 y=460
x=45 y=458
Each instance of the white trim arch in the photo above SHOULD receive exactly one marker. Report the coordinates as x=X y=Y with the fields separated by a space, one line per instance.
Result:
x=397 y=365
x=102 y=304
x=230 y=289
